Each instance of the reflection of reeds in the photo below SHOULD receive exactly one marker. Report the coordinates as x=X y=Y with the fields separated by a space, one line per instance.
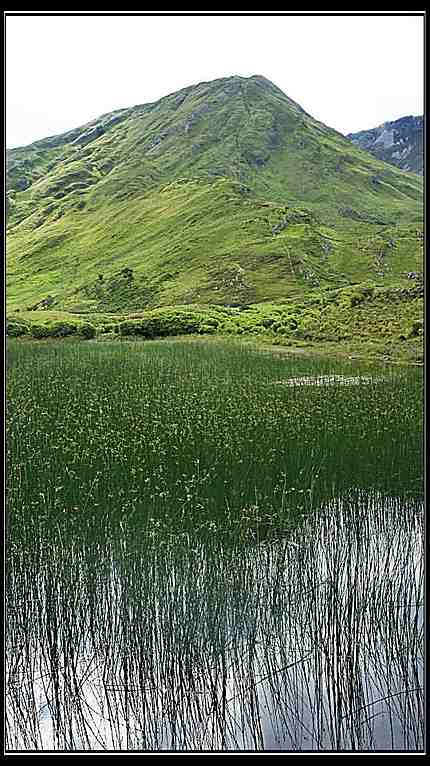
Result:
x=309 y=641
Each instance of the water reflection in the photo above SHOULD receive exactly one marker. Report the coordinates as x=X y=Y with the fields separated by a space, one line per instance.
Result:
x=309 y=642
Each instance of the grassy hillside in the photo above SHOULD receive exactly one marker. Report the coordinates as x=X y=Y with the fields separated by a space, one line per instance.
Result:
x=222 y=193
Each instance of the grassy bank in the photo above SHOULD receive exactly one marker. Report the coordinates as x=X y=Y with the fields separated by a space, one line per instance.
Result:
x=364 y=320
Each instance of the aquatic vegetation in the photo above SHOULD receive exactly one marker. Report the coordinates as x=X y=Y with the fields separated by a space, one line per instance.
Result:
x=190 y=433
x=311 y=641
x=199 y=557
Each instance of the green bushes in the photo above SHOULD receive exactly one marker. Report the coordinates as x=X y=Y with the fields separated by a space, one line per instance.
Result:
x=162 y=324
x=58 y=329
x=416 y=329
x=280 y=328
x=360 y=313
x=359 y=295
x=54 y=330
x=267 y=323
x=208 y=327
x=16 y=329
x=87 y=331
x=40 y=331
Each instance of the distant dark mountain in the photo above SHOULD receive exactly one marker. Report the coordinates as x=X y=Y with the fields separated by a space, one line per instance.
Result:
x=400 y=143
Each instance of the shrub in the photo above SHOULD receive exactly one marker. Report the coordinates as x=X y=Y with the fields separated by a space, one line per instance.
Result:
x=169 y=323
x=87 y=330
x=54 y=330
x=134 y=327
x=207 y=329
x=62 y=329
x=231 y=328
x=281 y=329
x=39 y=331
x=355 y=299
x=267 y=323
x=303 y=333
x=15 y=329
x=416 y=329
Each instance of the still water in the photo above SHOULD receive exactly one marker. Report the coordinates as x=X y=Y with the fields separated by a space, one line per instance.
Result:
x=309 y=639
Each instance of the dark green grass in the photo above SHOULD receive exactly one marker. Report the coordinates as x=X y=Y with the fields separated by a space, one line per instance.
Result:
x=195 y=435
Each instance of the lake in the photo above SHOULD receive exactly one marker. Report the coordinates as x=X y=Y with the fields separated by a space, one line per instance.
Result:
x=212 y=548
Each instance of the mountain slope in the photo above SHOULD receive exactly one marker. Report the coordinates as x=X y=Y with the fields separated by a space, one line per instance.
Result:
x=223 y=192
x=399 y=142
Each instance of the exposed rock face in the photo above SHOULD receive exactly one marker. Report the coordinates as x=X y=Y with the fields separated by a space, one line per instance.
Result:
x=400 y=143
x=347 y=212
x=90 y=135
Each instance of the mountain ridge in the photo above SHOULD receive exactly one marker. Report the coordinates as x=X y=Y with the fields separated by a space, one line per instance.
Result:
x=222 y=192
x=399 y=142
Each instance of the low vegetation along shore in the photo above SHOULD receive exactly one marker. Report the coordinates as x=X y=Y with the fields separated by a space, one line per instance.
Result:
x=367 y=320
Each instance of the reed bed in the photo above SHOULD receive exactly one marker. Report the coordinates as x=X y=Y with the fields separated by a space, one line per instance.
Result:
x=313 y=641
x=199 y=559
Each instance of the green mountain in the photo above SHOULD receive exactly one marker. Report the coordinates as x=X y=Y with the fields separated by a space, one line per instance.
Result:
x=225 y=192
x=399 y=142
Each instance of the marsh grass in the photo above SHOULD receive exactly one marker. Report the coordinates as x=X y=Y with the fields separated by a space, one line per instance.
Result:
x=194 y=435
x=200 y=559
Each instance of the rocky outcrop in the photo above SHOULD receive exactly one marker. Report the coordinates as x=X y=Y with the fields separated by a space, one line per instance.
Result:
x=355 y=215
x=90 y=135
x=400 y=143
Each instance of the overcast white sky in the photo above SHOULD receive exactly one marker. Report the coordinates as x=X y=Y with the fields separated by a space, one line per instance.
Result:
x=351 y=72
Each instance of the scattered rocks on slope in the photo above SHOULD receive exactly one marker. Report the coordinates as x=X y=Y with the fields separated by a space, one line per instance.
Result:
x=89 y=135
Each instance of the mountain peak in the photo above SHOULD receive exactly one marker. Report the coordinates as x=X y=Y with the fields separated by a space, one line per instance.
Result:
x=222 y=191
x=261 y=78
